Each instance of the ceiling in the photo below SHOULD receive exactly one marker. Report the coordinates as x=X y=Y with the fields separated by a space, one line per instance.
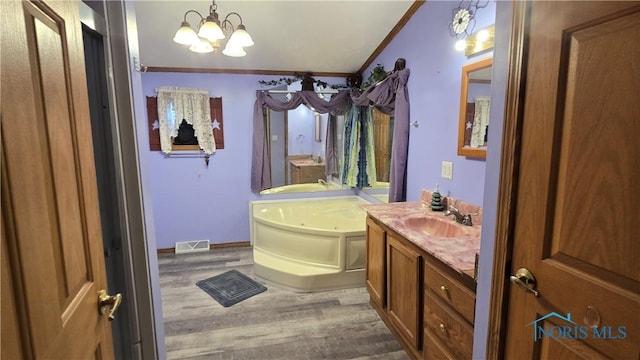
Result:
x=290 y=36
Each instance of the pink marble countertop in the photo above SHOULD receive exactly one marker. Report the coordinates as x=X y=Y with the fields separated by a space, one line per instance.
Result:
x=458 y=253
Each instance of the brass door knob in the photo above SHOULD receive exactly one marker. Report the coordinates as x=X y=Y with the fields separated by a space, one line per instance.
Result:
x=525 y=280
x=111 y=301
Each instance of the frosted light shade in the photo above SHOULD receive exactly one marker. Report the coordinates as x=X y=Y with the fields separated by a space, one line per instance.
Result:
x=461 y=45
x=211 y=31
x=241 y=37
x=233 y=51
x=185 y=35
x=201 y=46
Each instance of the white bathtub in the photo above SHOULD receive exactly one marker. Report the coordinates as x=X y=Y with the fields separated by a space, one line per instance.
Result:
x=309 y=244
x=297 y=188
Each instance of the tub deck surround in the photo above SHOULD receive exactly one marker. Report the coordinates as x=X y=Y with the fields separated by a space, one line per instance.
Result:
x=457 y=253
x=302 y=188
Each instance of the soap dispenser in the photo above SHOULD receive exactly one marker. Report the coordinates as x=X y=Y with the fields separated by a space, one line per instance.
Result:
x=436 y=200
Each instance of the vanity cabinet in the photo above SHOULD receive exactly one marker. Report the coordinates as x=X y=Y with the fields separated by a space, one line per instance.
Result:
x=403 y=295
x=306 y=171
x=376 y=263
x=427 y=305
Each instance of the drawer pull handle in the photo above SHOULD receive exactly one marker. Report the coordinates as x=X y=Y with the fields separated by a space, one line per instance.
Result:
x=443 y=328
x=443 y=289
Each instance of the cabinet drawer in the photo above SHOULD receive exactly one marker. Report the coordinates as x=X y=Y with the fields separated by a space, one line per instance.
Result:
x=449 y=328
x=455 y=294
x=433 y=349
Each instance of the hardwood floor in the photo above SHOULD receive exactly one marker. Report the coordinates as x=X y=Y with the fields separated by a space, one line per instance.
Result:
x=276 y=324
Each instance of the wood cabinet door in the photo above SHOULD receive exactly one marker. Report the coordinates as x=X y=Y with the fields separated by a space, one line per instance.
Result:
x=52 y=257
x=376 y=263
x=403 y=290
x=578 y=197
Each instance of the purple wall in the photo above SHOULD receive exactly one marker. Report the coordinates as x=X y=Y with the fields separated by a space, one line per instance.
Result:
x=434 y=94
x=195 y=202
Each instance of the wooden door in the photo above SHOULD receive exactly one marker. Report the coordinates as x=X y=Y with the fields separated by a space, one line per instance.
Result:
x=382 y=144
x=376 y=254
x=51 y=235
x=578 y=197
x=403 y=295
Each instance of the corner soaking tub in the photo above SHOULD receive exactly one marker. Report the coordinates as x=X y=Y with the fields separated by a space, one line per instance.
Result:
x=309 y=244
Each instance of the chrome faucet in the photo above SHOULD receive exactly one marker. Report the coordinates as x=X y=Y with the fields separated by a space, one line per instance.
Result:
x=322 y=182
x=458 y=216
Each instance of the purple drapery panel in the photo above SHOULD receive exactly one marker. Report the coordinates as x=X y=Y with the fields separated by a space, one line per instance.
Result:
x=260 y=171
x=392 y=97
x=389 y=96
x=331 y=147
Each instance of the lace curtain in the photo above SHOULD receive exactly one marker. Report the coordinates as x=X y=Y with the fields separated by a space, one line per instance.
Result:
x=192 y=105
x=480 y=121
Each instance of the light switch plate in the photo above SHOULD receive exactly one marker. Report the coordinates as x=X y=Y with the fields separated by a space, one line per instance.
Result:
x=274 y=137
x=447 y=170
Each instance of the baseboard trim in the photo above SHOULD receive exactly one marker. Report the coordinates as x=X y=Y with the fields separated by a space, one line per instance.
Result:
x=211 y=247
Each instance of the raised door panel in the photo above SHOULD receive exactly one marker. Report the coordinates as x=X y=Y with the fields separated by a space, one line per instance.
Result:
x=577 y=196
x=403 y=290
x=375 y=268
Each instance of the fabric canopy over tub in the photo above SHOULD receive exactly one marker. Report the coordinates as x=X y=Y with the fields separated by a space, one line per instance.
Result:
x=389 y=96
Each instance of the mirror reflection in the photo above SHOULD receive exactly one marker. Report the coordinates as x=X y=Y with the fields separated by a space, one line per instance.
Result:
x=474 y=109
x=296 y=147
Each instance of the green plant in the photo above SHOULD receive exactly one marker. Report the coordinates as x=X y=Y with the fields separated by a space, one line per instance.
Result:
x=298 y=77
x=377 y=74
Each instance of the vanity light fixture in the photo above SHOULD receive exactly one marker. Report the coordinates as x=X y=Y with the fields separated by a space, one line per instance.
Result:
x=211 y=31
x=463 y=22
x=477 y=42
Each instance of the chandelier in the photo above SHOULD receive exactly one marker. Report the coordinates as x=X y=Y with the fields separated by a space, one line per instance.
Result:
x=211 y=31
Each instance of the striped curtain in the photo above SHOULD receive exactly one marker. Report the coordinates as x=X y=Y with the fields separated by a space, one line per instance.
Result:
x=358 y=168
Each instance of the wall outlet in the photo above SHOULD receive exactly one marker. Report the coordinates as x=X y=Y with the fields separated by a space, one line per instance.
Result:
x=447 y=170
x=274 y=137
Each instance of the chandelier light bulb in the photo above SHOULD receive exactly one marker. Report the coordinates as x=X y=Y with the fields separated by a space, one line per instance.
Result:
x=202 y=46
x=241 y=37
x=233 y=51
x=461 y=45
x=185 y=35
x=210 y=30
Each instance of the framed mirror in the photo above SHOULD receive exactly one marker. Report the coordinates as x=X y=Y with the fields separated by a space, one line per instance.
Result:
x=475 y=102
